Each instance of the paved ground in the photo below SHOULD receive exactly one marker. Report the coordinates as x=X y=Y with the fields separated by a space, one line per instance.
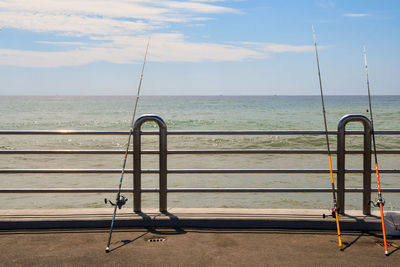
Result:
x=193 y=247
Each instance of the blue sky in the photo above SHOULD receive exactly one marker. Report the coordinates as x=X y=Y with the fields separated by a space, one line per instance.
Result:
x=198 y=47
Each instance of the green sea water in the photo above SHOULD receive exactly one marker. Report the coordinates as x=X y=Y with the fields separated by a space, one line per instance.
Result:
x=190 y=113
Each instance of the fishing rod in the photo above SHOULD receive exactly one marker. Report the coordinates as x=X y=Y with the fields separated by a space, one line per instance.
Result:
x=335 y=209
x=380 y=202
x=121 y=200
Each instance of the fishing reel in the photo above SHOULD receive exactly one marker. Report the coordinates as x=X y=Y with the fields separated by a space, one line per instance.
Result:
x=120 y=202
x=333 y=213
x=378 y=202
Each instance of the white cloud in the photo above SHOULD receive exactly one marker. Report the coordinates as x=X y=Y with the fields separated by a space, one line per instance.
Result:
x=129 y=49
x=91 y=17
x=62 y=43
x=49 y=59
x=173 y=47
x=117 y=30
x=356 y=15
x=75 y=25
x=279 y=48
x=199 y=7
x=165 y=11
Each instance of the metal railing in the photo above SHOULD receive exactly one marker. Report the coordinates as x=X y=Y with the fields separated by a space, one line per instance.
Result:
x=163 y=153
x=366 y=161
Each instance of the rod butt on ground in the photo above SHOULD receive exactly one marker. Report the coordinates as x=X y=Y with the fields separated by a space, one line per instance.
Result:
x=107 y=249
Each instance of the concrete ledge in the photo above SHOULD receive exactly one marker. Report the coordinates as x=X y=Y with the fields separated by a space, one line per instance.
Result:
x=180 y=217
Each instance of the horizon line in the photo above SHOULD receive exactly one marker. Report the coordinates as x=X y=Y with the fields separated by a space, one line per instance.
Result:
x=105 y=95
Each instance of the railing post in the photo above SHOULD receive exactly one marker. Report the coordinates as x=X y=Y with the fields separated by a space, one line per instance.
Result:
x=340 y=167
x=137 y=168
x=341 y=142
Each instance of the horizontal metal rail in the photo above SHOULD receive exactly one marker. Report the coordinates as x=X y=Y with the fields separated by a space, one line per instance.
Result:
x=271 y=151
x=62 y=132
x=81 y=171
x=69 y=151
x=288 y=171
x=186 y=171
x=173 y=152
x=192 y=132
x=190 y=190
x=283 y=132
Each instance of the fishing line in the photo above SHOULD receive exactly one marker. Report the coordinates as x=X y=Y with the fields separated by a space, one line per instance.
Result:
x=380 y=202
x=121 y=200
x=335 y=209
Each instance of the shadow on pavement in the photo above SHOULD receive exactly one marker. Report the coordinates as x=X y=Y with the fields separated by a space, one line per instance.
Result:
x=347 y=245
x=127 y=241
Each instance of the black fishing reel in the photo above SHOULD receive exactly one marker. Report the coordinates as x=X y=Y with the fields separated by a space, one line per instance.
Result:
x=333 y=213
x=120 y=202
x=378 y=202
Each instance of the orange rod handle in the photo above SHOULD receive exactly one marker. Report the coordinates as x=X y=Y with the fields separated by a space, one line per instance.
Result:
x=383 y=229
x=338 y=230
x=381 y=209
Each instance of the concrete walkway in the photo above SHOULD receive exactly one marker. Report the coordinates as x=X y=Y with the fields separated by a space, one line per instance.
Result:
x=193 y=247
x=191 y=237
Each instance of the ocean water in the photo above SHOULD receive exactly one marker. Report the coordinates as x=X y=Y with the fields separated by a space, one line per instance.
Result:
x=191 y=113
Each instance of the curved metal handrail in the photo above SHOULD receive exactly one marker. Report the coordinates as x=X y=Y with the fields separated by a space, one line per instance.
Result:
x=137 y=162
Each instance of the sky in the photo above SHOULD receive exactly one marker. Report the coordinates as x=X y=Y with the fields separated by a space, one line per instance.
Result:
x=198 y=47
